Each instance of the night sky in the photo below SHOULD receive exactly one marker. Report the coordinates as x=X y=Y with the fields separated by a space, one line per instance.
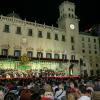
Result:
x=47 y=11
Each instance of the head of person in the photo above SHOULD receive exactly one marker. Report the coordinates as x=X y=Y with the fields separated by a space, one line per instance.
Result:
x=84 y=91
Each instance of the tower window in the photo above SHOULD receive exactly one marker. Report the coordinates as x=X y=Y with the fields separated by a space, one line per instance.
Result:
x=82 y=38
x=95 y=47
x=88 y=39
x=73 y=48
x=18 y=31
x=83 y=51
x=94 y=40
x=40 y=34
x=69 y=9
x=89 y=52
x=72 y=39
x=69 y=15
x=72 y=16
x=83 y=45
x=6 y=28
x=89 y=45
x=95 y=52
x=30 y=32
x=96 y=65
x=63 y=37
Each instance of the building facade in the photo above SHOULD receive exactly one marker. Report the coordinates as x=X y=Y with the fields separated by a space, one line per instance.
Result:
x=61 y=48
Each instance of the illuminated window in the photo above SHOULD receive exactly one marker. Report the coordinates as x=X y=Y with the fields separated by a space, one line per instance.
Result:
x=4 y=52
x=64 y=56
x=56 y=56
x=30 y=54
x=48 y=55
x=17 y=53
x=39 y=55
x=72 y=57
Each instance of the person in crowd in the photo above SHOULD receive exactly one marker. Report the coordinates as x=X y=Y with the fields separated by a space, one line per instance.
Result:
x=48 y=91
x=60 y=93
x=70 y=96
x=1 y=94
x=85 y=94
x=73 y=92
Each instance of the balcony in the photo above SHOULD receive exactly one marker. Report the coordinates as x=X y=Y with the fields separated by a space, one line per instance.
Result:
x=5 y=57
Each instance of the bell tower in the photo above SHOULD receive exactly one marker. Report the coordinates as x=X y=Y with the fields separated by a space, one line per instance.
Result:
x=70 y=23
x=67 y=19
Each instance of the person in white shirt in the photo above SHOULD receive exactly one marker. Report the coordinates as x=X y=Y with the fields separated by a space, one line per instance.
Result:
x=85 y=94
x=60 y=92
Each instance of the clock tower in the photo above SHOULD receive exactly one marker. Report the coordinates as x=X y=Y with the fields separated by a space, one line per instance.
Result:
x=70 y=23
x=67 y=19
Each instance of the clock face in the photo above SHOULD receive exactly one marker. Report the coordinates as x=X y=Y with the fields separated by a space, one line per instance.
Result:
x=72 y=26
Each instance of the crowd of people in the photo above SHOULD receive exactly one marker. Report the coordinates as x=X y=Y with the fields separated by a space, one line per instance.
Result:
x=30 y=73
x=40 y=88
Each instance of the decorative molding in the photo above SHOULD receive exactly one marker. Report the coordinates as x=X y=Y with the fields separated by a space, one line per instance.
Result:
x=17 y=47
x=48 y=50
x=29 y=48
x=5 y=46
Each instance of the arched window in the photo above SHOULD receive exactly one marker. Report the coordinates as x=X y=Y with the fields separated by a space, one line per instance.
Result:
x=72 y=16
